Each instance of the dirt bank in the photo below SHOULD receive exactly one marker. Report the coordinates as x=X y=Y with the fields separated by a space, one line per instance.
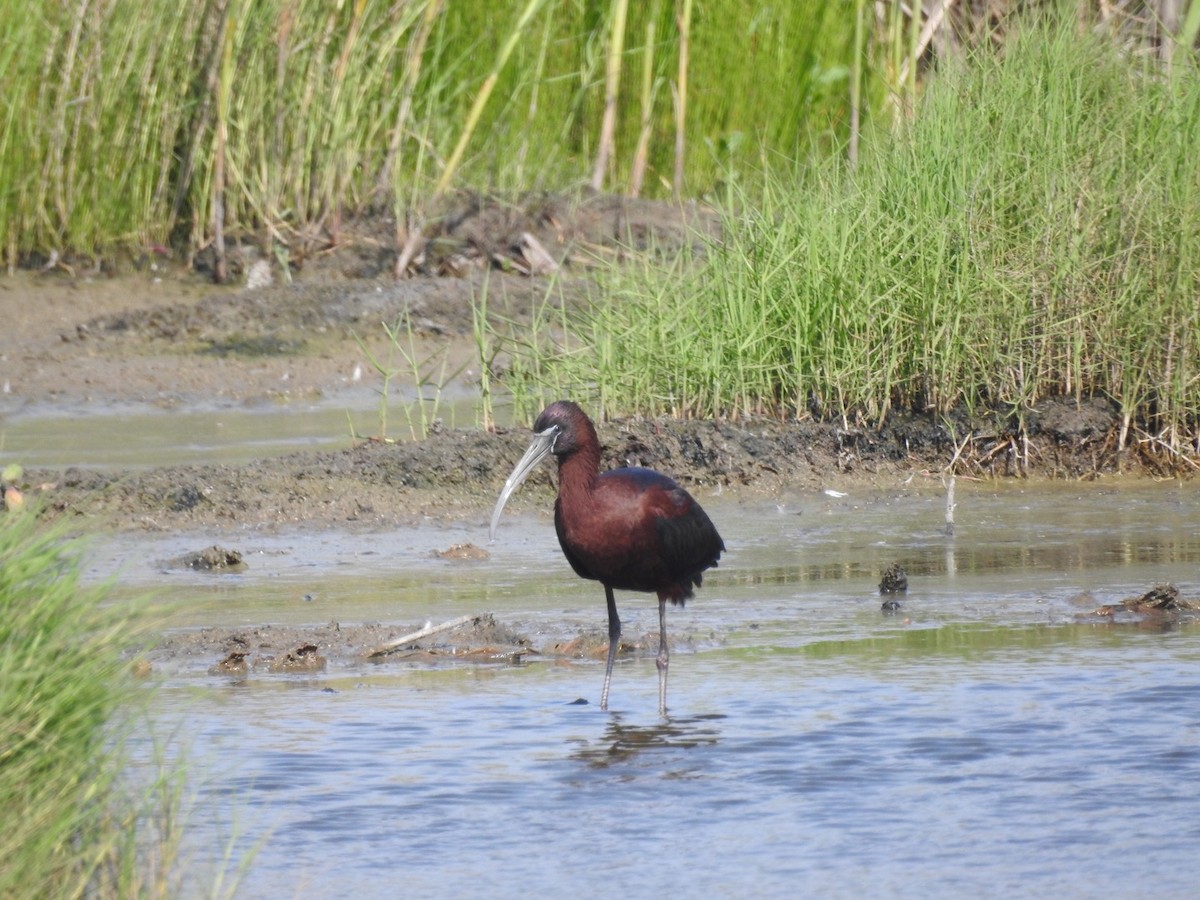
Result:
x=456 y=474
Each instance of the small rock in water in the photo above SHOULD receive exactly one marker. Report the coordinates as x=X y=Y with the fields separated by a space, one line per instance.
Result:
x=304 y=658
x=462 y=551
x=233 y=664
x=214 y=558
x=894 y=580
x=258 y=275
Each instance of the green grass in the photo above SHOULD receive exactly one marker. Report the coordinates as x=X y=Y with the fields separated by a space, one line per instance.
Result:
x=1032 y=232
x=128 y=124
x=71 y=825
x=427 y=375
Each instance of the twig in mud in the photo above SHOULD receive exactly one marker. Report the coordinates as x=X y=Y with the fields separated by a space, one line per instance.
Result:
x=538 y=257
x=998 y=447
x=1007 y=446
x=1147 y=440
x=950 y=507
x=957 y=453
x=385 y=649
x=413 y=245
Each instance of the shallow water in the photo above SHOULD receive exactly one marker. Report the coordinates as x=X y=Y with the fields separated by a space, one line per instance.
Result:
x=225 y=431
x=991 y=738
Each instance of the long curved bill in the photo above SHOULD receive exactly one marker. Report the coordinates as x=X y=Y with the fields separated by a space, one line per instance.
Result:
x=539 y=449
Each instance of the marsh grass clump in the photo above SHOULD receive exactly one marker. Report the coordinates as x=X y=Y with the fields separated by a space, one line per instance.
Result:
x=72 y=825
x=427 y=376
x=1030 y=233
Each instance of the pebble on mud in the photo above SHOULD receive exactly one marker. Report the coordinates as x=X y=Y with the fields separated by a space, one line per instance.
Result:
x=234 y=663
x=304 y=658
x=461 y=551
x=212 y=559
x=1161 y=602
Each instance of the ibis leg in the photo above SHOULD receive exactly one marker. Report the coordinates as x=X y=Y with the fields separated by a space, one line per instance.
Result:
x=614 y=639
x=664 y=656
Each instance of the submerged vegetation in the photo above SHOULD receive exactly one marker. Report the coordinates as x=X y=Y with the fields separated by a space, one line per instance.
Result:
x=72 y=826
x=1030 y=233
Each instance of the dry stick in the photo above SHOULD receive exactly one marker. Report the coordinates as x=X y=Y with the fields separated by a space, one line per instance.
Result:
x=1123 y=440
x=485 y=92
x=612 y=82
x=220 y=269
x=1169 y=447
x=997 y=448
x=932 y=24
x=950 y=507
x=684 y=22
x=856 y=80
x=638 y=174
x=537 y=256
x=958 y=453
x=385 y=649
x=413 y=244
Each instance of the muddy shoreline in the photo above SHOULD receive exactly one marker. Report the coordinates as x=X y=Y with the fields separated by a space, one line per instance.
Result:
x=157 y=336
x=458 y=473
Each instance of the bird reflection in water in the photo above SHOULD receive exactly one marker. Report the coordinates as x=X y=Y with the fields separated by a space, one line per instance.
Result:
x=621 y=743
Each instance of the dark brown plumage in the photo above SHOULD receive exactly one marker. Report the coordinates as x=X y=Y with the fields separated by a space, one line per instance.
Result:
x=630 y=529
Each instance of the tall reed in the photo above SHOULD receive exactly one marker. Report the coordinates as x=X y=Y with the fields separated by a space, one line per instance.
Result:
x=127 y=124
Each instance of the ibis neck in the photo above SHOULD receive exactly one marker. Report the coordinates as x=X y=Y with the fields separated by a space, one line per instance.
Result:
x=579 y=471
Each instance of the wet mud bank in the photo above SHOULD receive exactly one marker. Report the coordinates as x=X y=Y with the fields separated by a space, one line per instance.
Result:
x=458 y=473
x=480 y=639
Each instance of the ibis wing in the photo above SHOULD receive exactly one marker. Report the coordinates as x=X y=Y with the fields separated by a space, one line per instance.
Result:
x=639 y=531
x=690 y=543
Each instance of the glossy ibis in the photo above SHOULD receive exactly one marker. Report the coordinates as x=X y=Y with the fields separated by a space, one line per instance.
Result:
x=630 y=529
